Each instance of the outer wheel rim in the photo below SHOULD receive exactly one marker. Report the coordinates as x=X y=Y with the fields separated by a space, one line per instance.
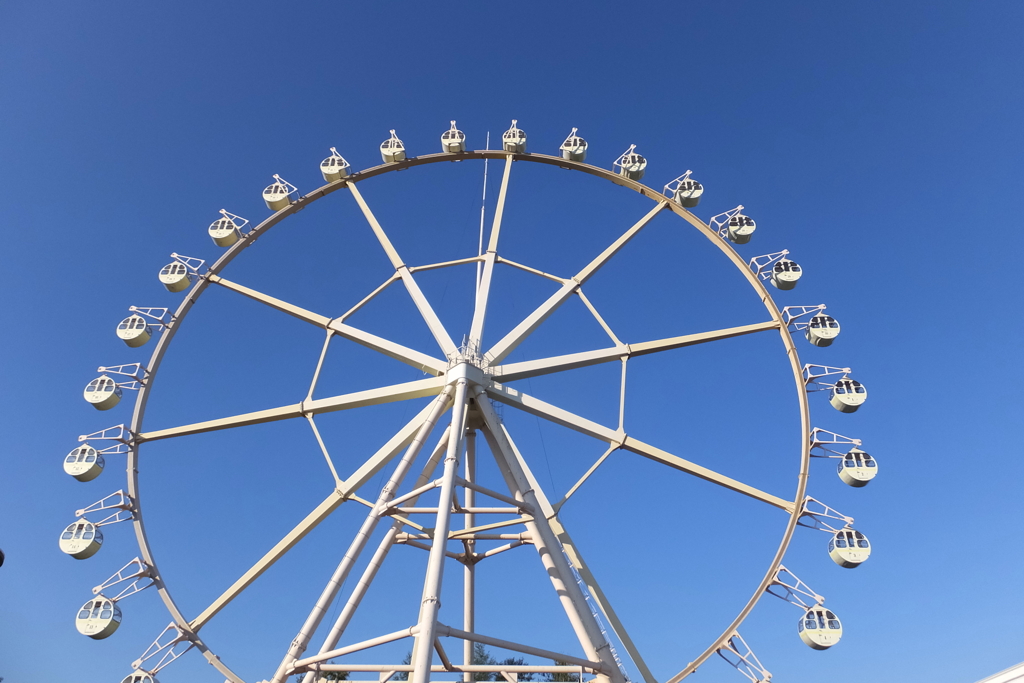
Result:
x=232 y=252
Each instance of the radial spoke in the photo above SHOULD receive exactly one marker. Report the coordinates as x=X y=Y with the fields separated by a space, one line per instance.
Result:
x=311 y=521
x=544 y=366
x=436 y=328
x=396 y=392
x=557 y=364
x=523 y=330
x=283 y=306
x=483 y=291
x=345 y=489
x=420 y=361
x=562 y=417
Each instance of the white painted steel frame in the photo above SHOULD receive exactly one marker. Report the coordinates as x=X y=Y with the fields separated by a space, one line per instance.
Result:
x=189 y=629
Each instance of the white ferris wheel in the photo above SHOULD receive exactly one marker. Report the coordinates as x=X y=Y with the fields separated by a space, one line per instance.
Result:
x=434 y=499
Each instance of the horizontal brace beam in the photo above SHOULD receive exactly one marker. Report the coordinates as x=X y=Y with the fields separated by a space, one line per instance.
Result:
x=446 y=264
x=364 y=645
x=460 y=534
x=461 y=511
x=595 y=667
x=438 y=668
x=494 y=494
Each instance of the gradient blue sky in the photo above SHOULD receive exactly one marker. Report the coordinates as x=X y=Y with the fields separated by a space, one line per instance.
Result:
x=879 y=142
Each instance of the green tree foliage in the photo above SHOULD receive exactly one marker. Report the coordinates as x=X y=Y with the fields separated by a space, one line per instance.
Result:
x=327 y=676
x=562 y=677
x=515 y=661
x=404 y=675
x=481 y=657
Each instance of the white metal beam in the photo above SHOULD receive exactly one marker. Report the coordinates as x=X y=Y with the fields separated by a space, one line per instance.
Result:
x=524 y=486
x=571 y=361
x=420 y=361
x=535 y=406
x=422 y=305
x=383 y=548
x=383 y=455
x=476 y=330
x=510 y=341
x=430 y=605
x=396 y=392
x=431 y=413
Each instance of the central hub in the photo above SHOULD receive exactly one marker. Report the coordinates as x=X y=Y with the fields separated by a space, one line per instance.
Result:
x=464 y=369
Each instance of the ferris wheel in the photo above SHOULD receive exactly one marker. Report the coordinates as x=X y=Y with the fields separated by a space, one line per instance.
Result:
x=434 y=457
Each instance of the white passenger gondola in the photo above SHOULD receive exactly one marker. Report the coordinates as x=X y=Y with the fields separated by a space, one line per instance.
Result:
x=103 y=393
x=740 y=228
x=785 y=274
x=822 y=330
x=81 y=540
x=513 y=139
x=334 y=167
x=84 y=463
x=857 y=468
x=134 y=331
x=392 y=149
x=225 y=232
x=847 y=395
x=98 y=618
x=276 y=194
x=688 y=195
x=453 y=140
x=574 y=148
x=175 y=277
x=139 y=677
x=630 y=164
x=849 y=548
x=820 y=628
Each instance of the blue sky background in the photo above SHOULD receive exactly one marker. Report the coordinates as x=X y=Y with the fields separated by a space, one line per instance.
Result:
x=879 y=142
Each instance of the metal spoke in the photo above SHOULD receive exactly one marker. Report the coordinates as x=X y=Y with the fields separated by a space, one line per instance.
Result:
x=544 y=366
x=483 y=291
x=416 y=359
x=523 y=330
x=396 y=392
x=422 y=305
x=343 y=491
x=535 y=406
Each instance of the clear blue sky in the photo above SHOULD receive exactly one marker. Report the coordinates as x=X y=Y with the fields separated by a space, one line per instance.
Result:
x=879 y=142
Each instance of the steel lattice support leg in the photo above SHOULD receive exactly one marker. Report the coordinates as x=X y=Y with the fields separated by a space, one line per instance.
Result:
x=376 y=561
x=544 y=540
x=469 y=570
x=423 y=649
x=301 y=641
